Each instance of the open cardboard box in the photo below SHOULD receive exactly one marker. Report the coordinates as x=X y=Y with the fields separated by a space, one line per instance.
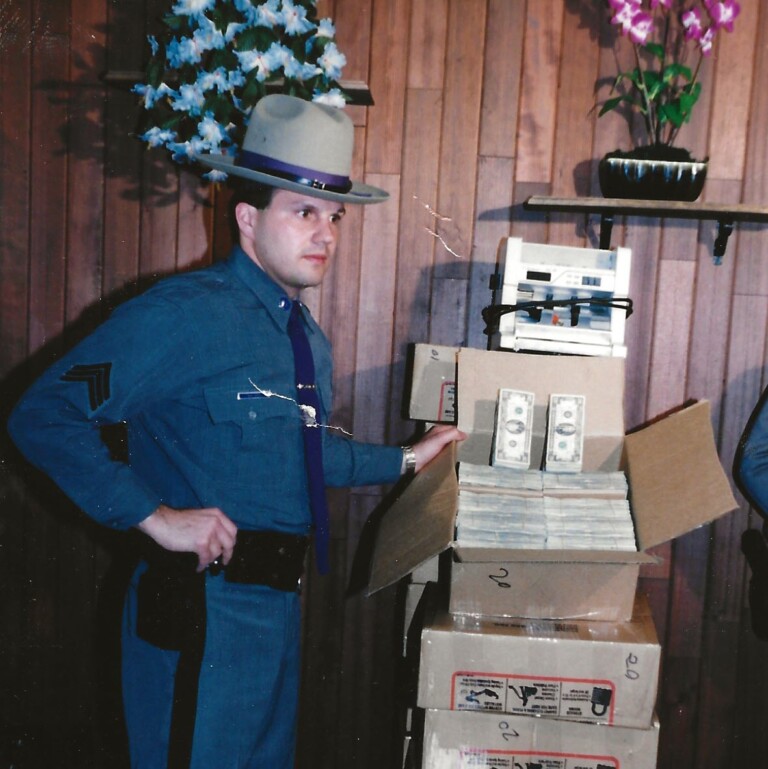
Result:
x=675 y=479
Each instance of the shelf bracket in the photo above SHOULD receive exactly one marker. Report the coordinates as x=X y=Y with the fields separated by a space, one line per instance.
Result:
x=724 y=229
x=606 y=228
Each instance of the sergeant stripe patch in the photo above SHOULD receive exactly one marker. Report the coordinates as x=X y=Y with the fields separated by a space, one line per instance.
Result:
x=96 y=376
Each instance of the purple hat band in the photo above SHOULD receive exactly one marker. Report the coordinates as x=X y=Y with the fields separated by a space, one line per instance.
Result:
x=306 y=176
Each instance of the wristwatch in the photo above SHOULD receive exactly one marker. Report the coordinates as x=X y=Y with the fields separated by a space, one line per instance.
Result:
x=409 y=461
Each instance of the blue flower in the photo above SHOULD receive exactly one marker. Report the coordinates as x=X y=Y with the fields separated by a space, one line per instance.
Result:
x=332 y=61
x=215 y=175
x=218 y=80
x=250 y=60
x=154 y=46
x=277 y=56
x=326 y=29
x=295 y=19
x=211 y=131
x=150 y=95
x=208 y=36
x=186 y=151
x=267 y=14
x=190 y=99
x=300 y=70
x=193 y=7
x=157 y=137
x=182 y=51
x=333 y=98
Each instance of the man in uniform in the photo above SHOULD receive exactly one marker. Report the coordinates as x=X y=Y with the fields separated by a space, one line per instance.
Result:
x=223 y=381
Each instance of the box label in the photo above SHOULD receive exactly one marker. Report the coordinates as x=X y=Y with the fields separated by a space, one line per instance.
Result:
x=502 y=759
x=580 y=699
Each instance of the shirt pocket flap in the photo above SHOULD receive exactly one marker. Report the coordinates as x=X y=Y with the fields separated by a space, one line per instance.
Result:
x=226 y=404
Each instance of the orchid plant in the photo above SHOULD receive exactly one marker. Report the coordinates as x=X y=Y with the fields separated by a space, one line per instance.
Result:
x=666 y=35
x=217 y=58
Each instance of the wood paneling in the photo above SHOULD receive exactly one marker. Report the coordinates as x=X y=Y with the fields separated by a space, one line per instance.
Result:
x=478 y=104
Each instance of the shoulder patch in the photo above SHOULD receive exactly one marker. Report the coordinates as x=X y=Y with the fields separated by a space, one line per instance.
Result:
x=96 y=376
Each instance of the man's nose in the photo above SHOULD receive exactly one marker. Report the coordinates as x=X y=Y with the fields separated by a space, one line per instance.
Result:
x=325 y=232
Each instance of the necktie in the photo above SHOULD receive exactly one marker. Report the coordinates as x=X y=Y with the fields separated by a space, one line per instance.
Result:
x=306 y=395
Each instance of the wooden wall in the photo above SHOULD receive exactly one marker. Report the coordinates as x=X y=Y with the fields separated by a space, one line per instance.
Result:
x=479 y=104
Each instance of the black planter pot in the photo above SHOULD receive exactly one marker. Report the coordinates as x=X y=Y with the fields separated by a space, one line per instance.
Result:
x=652 y=173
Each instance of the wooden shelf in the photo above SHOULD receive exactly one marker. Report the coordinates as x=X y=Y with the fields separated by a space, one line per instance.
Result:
x=725 y=215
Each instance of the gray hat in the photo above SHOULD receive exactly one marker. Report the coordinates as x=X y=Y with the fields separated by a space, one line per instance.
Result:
x=300 y=146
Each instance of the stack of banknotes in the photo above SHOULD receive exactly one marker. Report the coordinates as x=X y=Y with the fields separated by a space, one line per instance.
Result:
x=514 y=431
x=540 y=510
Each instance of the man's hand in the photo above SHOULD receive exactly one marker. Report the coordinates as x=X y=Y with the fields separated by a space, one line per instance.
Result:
x=434 y=441
x=207 y=532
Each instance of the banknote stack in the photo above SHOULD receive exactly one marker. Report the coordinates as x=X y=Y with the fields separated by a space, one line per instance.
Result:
x=586 y=523
x=533 y=509
x=500 y=480
x=565 y=434
x=513 y=429
x=489 y=520
x=612 y=485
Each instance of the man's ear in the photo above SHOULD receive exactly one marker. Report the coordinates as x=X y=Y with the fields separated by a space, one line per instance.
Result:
x=245 y=216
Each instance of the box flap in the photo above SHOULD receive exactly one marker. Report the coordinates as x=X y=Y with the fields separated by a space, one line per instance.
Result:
x=481 y=373
x=676 y=480
x=419 y=524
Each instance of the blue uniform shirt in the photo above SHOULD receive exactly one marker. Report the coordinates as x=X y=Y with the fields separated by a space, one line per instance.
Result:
x=200 y=369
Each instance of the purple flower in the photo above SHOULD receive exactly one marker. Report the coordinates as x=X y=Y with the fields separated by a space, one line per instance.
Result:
x=723 y=13
x=636 y=24
x=706 y=40
x=692 y=23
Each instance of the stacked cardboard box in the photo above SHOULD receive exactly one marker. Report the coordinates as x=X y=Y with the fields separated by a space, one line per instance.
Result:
x=531 y=647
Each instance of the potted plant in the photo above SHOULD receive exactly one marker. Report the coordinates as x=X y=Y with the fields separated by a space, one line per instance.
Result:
x=216 y=58
x=670 y=39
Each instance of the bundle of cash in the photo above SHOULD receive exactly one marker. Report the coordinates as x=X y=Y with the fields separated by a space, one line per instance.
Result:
x=488 y=519
x=514 y=429
x=492 y=520
x=565 y=433
x=593 y=524
x=607 y=484
x=502 y=480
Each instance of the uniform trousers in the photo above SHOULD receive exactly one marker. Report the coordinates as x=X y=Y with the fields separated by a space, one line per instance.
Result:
x=248 y=682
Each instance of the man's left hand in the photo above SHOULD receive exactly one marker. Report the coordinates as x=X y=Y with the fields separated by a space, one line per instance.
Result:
x=434 y=441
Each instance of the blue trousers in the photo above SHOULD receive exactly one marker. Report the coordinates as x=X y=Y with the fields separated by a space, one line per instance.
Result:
x=248 y=684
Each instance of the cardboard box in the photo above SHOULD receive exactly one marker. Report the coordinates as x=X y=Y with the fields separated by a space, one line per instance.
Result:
x=433 y=383
x=585 y=671
x=454 y=740
x=675 y=479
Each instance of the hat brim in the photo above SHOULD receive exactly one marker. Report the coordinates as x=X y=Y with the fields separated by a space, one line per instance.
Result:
x=360 y=194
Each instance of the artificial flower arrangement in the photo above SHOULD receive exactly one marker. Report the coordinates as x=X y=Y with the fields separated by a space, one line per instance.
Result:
x=666 y=36
x=217 y=58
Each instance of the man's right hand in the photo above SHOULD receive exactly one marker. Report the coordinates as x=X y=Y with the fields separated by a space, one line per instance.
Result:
x=207 y=532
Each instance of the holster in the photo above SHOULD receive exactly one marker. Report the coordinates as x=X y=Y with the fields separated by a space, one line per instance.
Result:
x=171 y=600
x=171 y=592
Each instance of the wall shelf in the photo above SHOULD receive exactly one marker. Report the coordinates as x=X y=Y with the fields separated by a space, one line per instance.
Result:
x=725 y=215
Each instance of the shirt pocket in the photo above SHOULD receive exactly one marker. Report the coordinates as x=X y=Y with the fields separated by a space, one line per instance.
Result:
x=258 y=446
x=259 y=417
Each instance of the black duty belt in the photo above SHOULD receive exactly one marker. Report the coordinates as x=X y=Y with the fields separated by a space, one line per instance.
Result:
x=170 y=591
x=270 y=558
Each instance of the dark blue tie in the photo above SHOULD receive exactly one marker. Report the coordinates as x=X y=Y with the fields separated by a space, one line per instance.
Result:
x=306 y=395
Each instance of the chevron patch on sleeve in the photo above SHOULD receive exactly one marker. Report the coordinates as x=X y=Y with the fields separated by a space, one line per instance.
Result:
x=96 y=376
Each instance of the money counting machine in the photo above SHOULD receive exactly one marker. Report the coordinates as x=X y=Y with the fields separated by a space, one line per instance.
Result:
x=560 y=299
